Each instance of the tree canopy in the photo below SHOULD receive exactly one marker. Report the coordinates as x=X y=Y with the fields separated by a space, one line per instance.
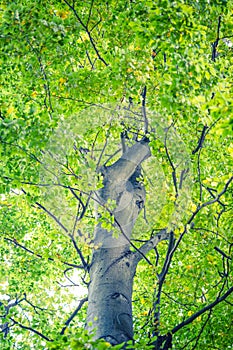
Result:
x=81 y=82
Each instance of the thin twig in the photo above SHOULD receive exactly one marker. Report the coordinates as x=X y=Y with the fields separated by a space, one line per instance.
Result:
x=215 y=44
x=81 y=302
x=79 y=252
x=16 y=243
x=202 y=311
x=52 y=216
x=30 y=329
x=201 y=139
x=85 y=27
x=144 y=110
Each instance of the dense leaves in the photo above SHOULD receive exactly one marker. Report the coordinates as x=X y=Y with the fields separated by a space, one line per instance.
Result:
x=73 y=76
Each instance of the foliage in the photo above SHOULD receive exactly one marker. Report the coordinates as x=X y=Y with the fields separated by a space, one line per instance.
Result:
x=70 y=70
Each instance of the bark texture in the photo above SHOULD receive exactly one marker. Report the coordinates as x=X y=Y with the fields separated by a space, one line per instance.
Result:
x=112 y=269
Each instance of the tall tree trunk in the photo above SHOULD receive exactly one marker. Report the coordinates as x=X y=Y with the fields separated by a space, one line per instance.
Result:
x=112 y=271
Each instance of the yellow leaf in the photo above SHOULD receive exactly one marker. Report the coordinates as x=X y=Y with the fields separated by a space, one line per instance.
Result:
x=10 y=110
x=230 y=150
x=63 y=14
x=62 y=80
x=34 y=94
x=211 y=259
x=172 y=197
x=189 y=267
x=193 y=207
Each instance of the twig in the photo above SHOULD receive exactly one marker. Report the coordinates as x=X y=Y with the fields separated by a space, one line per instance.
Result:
x=73 y=315
x=215 y=44
x=30 y=329
x=85 y=266
x=16 y=243
x=85 y=26
x=144 y=110
x=201 y=139
x=202 y=311
x=222 y=253
x=52 y=216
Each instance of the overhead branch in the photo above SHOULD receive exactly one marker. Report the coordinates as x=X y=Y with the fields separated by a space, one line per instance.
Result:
x=48 y=105
x=161 y=280
x=12 y=304
x=124 y=167
x=144 y=110
x=215 y=43
x=88 y=31
x=202 y=311
x=72 y=316
x=201 y=139
x=216 y=199
x=151 y=244
x=174 y=176
x=29 y=154
x=222 y=253
x=142 y=255
x=16 y=243
x=30 y=329
x=52 y=216
x=84 y=263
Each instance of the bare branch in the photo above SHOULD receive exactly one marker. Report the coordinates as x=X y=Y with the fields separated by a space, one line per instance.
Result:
x=222 y=253
x=202 y=311
x=30 y=329
x=45 y=78
x=85 y=27
x=85 y=265
x=202 y=329
x=215 y=44
x=144 y=110
x=170 y=162
x=201 y=139
x=52 y=216
x=219 y=195
x=73 y=315
x=16 y=243
x=149 y=245
x=90 y=12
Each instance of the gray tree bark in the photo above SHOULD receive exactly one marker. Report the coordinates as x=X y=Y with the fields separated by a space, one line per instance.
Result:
x=113 y=265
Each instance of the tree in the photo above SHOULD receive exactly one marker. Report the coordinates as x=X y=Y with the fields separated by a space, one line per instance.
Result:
x=116 y=148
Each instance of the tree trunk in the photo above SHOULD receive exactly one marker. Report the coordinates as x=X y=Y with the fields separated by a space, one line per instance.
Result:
x=112 y=271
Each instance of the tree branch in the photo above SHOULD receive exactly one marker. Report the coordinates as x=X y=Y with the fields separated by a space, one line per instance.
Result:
x=85 y=26
x=202 y=311
x=52 y=216
x=81 y=302
x=201 y=139
x=124 y=167
x=219 y=195
x=30 y=329
x=149 y=245
x=215 y=44
x=85 y=265
x=144 y=110
x=16 y=243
